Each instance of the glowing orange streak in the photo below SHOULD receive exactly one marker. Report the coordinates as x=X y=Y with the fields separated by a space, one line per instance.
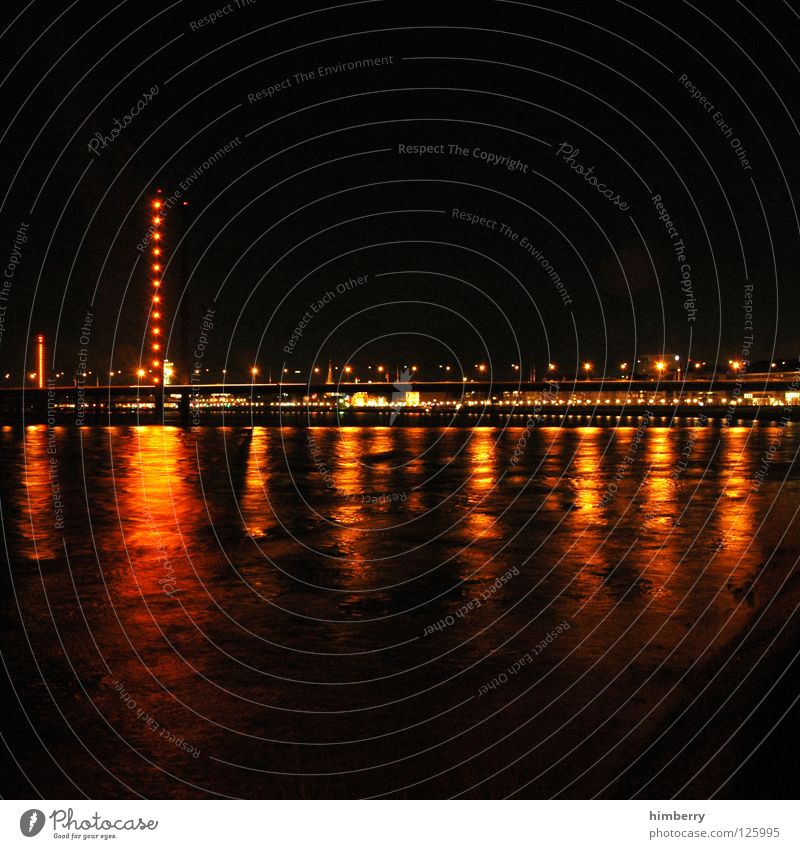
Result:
x=40 y=359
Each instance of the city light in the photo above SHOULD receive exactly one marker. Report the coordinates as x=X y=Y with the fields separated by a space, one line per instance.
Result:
x=660 y=365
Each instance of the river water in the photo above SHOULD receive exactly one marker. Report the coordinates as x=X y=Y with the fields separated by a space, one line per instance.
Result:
x=353 y=612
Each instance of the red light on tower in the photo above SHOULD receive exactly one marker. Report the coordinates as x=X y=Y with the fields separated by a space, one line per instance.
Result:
x=40 y=360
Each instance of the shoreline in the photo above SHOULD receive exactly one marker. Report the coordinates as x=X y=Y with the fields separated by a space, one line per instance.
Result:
x=488 y=416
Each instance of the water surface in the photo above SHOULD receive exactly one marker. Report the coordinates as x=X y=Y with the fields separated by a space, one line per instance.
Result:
x=356 y=611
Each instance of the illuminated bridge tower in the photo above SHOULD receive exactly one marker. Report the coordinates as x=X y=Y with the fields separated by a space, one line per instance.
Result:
x=40 y=361
x=166 y=216
x=155 y=325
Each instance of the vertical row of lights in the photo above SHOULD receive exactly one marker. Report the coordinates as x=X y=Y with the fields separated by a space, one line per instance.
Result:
x=40 y=360
x=156 y=268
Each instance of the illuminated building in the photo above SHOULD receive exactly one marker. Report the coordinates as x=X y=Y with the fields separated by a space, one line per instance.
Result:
x=657 y=365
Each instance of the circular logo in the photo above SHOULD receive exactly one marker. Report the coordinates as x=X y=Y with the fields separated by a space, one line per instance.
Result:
x=31 y=822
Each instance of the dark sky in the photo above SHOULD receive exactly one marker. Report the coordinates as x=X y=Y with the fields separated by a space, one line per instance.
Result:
x=316 y=191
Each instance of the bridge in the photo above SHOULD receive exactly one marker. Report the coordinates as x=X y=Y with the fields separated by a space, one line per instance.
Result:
x=368 y=403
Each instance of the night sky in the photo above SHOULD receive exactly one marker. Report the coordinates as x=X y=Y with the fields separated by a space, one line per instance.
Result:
x=315 y=191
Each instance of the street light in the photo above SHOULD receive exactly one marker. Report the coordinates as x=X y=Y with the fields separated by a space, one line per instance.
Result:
x=587 y=367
